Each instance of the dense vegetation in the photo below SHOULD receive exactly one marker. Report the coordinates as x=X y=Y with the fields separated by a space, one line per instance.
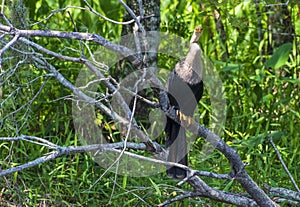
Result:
x=254 y=48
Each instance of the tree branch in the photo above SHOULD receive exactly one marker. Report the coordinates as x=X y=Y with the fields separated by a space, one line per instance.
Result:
x=122 y=50
x=283 y=193
x=217 y=195
x=8 y=45
x=61 y=151
x=238 y=168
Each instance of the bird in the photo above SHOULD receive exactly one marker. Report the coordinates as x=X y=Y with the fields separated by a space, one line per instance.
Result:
x=184 y=88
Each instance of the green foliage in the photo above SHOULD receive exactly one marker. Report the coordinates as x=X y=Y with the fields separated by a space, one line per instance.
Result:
x=261 y=90
x=280 y=56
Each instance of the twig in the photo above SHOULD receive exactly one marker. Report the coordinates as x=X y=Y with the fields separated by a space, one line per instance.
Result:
x=142 y=11
x=129 y=10
x=126 y=140
x=283 y=164
x=134 y=194
x=192 y=173
x=49 y=52
x=140 y=26
x=8 y=45
x=112 y=89
x=32 y=139
x=84 y=9
x=137 y=40
x=75 y=28
x=281 y=4
x=179 y=198
x=4 y=17
x=106 y=18
x=29 y=103
x=151 y=103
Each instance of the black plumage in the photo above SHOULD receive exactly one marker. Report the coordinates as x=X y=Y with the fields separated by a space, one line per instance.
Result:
x=185 y=88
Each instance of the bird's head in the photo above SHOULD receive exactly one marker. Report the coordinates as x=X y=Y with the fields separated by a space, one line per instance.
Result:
x=198 y=29
x=197 y=33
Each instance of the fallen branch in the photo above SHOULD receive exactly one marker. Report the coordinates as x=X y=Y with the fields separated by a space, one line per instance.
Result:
x=61 y=151
x=203 y=189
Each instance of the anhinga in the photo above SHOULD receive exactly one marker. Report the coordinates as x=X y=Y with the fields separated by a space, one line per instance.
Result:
x=185 y=88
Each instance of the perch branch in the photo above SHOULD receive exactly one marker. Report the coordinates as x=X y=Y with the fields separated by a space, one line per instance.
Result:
x=238 y=172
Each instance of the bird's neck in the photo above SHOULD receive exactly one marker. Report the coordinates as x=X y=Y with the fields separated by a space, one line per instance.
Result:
x=194 y=38
x=193 y=56
x=190 y=68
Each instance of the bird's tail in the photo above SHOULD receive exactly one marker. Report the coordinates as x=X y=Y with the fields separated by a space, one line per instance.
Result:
x=177 y=146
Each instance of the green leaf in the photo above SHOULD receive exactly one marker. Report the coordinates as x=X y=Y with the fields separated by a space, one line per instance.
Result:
x=230 y=67
x=155 y=187
x=280 y=56
x=228 y=185
x=124 y=184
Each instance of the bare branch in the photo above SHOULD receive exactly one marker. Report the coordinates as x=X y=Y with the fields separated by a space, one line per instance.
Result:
x=206 y=191
x=125 y=141
x=283 y=193
x=8 y=45
x=28 y=104
x=4 y=17
x=61 y=151
x=92 y=67
x=283 y=164
x=49 y=52
x=122 y=50
x=280 y=4
x=85 y=9
x=192 y=173
x=104 y=17
x=32 y=139
x=129 y=10
x=142 y=11
x=154 y=147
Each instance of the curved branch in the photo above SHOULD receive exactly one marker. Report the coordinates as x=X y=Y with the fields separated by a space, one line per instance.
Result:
x=104 y=17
